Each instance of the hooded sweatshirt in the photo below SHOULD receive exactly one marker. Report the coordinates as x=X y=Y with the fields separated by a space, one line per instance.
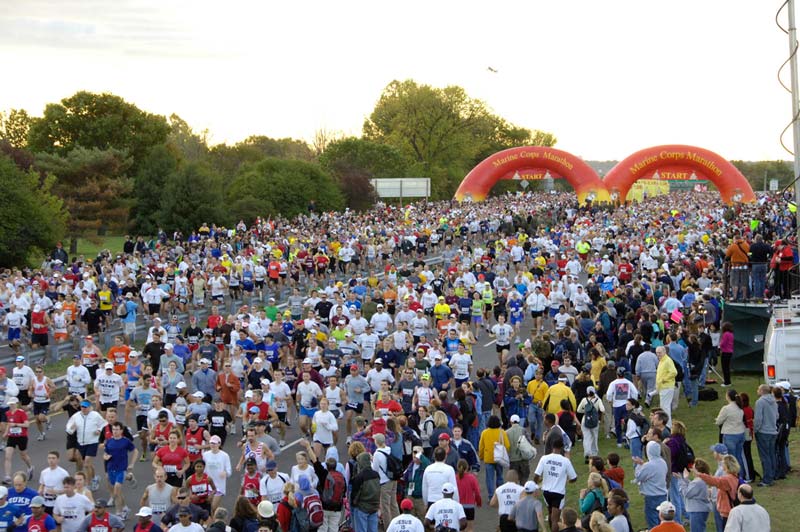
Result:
x=765 y=420
x=652 y=475
x=366 y=486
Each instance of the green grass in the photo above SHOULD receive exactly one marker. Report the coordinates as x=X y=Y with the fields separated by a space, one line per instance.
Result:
x=702 y=434
x=90 y=249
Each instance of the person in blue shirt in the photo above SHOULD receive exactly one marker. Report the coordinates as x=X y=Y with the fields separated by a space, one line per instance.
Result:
x=115 y=454
x=247 y=345
x=11 y=515
x=180 y=349
x=20 y=495
x=38 y=520
x=442 y=377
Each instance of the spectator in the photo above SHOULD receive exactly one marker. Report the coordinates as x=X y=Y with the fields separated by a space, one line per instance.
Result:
x=493 y=434
x=726 y=486
x=652 y=479
x=730 y=421
x=469 y=491
x=527 y=512
x=765 y=427
x=365 y=496
x=749 y=515
x=696 y=497
x=666 y=517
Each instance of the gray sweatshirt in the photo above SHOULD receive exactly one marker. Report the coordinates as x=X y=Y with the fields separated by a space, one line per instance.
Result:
x=696 y=496
x=766 y=415
x=652 y=475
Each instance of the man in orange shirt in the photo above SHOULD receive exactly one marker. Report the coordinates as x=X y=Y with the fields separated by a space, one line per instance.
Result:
x=737 y=255
x=118 y=354
x=666 y=513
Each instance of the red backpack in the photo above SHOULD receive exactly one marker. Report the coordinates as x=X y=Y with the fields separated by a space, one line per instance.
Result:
x=313 y=506
x=333 y=491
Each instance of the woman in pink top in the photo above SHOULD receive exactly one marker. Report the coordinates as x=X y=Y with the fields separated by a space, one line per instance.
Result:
x=469 y=492
x=726 y=349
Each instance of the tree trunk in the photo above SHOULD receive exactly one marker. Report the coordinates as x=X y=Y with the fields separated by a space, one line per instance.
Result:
x=73 y=246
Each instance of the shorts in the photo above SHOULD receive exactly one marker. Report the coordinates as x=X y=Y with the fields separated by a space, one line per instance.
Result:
x=116 y=477
x=129 y=328
x=14 y=333
x=153 y=308
x=470 y=513
x=537 y=313
x=355 y=407
x=219 y=298
x=477 y=319
x=459 y=382
x=515 y=319
x=72 y=441
x=553 y=499
x=553 y=312
x=141 y=423
x=308 y=411
x=41 y=408
x=260 y=284
x=88 y=450
x=281 y=416
x=24 y=397
x=3 y=412
x=41 y=339
x=174 y=480
x=106 y=406
x=499 y=348
x=20 y=442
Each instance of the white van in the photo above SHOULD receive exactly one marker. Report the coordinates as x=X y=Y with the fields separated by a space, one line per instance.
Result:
x=782 y=346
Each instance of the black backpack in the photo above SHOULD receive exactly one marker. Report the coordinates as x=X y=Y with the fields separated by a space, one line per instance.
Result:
x=641 y=422
x=591 y=415
x=394 y=467
x=685 y=457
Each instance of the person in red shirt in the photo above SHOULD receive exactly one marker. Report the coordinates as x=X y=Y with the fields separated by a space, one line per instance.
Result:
x=196 y=439
x=251 y=482
x=16 y=435
x=200 y=486
x=263 y=414
x=174 y=459
x=385 y=401
x=625 y=271
x=159 y=436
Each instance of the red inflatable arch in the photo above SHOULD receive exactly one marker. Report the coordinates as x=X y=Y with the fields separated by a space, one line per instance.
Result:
x=528 y=161
x=676 y=161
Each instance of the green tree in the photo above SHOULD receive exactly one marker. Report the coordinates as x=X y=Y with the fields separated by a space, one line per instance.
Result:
x=93 y=184
x=33 y=217
x=103 y=121
x=281 y=187
x=14 y=126
x=190 y=146
x=281 y=148
x=353 y=162
x=444 y=132
x=192 y=195
x=149 y=190
x=759 y=173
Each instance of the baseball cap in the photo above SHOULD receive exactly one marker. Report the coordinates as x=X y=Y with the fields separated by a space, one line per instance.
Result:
x=785 y=385
x=620 y=371
x=12 y=400
x=183 y=510
x=379 y=361
x=3 y=492
x=248 y=393
x=144 y=511
x=181 y=385
x=719 y=448
x=85 y=404
x=306 y=361
x=444 y=436
x=530 y=486
x=215 y=439
x=198 y=394
x=437 y=357
x=555 y=364
x=406 y=504
x=587 y=367
x=102 y=503
x=205 y=361
x=20 y=358
x=38 y=501
x=348 y=334
x=169 y=346
x=76 y=356
x=109 y=365
x=258 y=359
x=448 y=488
x=354 y=367
x=271 y=465
x=591 y=390
x=666 y=507
x=514 y=419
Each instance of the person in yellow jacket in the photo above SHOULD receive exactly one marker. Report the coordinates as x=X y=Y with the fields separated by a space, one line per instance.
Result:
x=557 y=392
x=537 y=389
x=665 y=381
x=493 y=434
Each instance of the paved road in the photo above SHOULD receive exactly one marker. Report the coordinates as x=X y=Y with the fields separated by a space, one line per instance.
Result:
x=484 y=355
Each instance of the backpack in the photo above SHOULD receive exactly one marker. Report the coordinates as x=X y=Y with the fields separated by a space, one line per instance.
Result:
x=333 y=490
x=526 y=450
x=591 y=415
x=313 y=507
x=122 y=310
x=612 y=484
x=299 y=521
x=394 y=467
x=685 y=456
x=641 y=422
x=735 y=499
x=468 y=417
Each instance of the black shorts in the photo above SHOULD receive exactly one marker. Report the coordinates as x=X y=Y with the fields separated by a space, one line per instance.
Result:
x=499 y=348
x=41 y=408
x=40 y=339
x=72 y=441
x=537 y=313
x=141 y=423
x=3 y=412
x=470 y=513
x=552 y=499
x=259 y=284
x=88 y=450
x=20 y=442
x=357 y=407
x=153 y=308
x=281 y=416
x=106 y=406
x=24 y=397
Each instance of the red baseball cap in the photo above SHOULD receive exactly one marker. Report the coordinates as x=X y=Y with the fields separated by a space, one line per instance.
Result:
x=444 y=436
x=406 y=504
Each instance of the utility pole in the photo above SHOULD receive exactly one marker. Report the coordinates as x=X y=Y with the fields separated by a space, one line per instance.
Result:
x=793 y=50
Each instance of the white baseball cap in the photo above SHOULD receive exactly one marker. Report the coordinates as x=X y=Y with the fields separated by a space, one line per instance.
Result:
x=181 y=385
x=109 y=365
x=514 y=419
x=448 y=488
x=145 y=511
x=168 y=346
x=198 y=394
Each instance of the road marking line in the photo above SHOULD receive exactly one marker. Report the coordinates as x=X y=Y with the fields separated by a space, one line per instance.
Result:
x=490 y=343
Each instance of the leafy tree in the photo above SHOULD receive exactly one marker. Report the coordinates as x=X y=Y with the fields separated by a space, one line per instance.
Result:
x=280 y=148
x=443 y=131
x=278 y=186
x=149 y=190
x=353 y=162
x=192 y=195
x=103 y=121
x=757 y=171
x=33 y=217
x=21 y=157
x=14 y=126
x=92 y=184
x=190 y=146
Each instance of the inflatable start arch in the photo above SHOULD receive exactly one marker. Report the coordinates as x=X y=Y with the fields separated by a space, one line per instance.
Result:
x=670 y=162
x=528 y=161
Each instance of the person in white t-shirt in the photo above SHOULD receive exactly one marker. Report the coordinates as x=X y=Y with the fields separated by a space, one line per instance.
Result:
x=505 y=497
x=272 y=483
x=552 y=473
x=218 y=468
x=324 y=426
x=71 y=507
x=308 y=392
x=406 y=521
x=461 y=362
x=51 y=481
x=446 y=515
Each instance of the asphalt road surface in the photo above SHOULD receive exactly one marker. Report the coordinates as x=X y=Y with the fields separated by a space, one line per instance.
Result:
x=484 y=355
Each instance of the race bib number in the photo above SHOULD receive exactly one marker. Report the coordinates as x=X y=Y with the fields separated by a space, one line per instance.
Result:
x=250 y=494
x=15 y=431
x=170 y=469
x=199 y=489
x=192 y=449
x=158 y=508
x=99 y=528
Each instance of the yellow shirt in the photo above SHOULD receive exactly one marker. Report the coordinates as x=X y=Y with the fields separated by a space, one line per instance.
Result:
x=104 y=297
x=487 y=441
x=555 y=395
x=598 y=365
x=665 y=374
x=441 y=311
x=537 y=390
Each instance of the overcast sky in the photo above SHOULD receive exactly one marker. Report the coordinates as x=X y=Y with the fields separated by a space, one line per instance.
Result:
x=607 y=78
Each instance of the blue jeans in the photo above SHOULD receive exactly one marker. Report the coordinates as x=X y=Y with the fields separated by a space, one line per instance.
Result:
x=735 y=445
x=364 y=522
x=651 y=503
x=693 y=392
x=765 y=443
x=494 y=477
x=636 y=447
x=473 y=435
x=719 y=521
x=483 y=419
x=676 y=498
x=697 y=521
x=758 y=276
x=619 y=422
x=536 y=421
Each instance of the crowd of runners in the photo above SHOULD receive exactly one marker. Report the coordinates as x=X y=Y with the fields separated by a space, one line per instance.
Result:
x=361 y=327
